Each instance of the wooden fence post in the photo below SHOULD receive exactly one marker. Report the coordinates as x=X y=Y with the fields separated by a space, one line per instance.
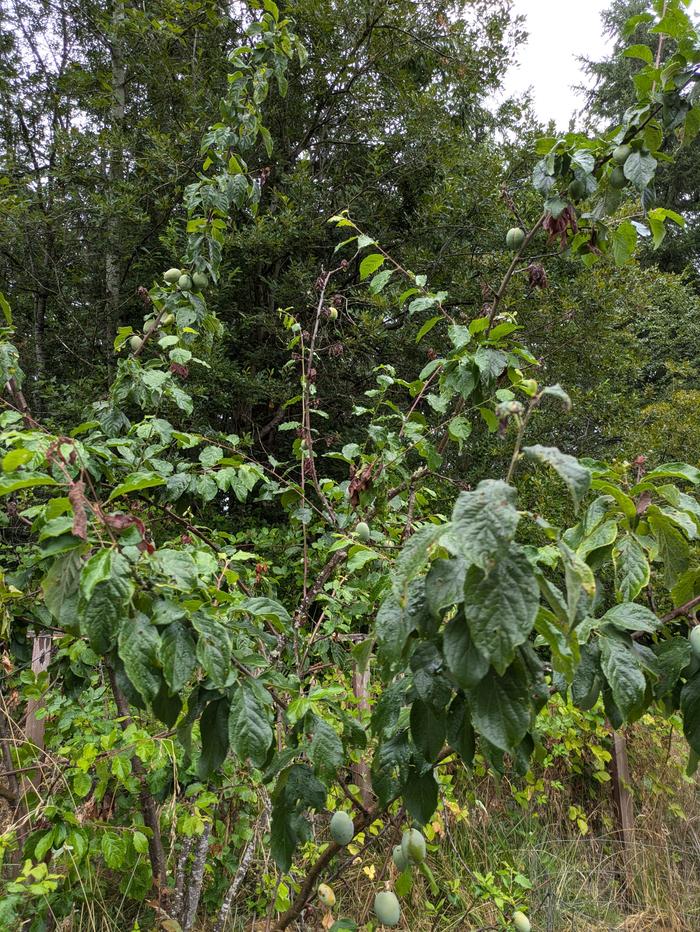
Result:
x=624 y=803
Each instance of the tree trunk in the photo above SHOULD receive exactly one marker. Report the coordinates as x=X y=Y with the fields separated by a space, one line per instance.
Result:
x=360 y=770
x=115 y=175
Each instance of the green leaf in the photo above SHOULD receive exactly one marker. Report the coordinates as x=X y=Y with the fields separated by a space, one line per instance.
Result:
x=427 y=327
x=466 y=664
x=564 y=646
x=500 y=606
x=459 y=428
x=138 y=648
x=632 y=570
x=414 y=556
x=624 y=242
x=213 y=648
x=630 y=616
x=671 y=548
x=61 y=587
x=675 y=471
x=140 y=842
x=214 y=733
x=672 y=657
x=500 y=707
x=370 y=264
x=25 y=481
x=556 y=391
x=178 y=565
x=136 y=482
x=177 y=655
x=427 y=730
x=580 y=581
x=262 y=607
x=420 y=795
x=106 y=589
x=577 y=477
x=16 y=458
x=444 y=584
x=624 y=675
x=460 y=733
x=640 y=169
x=483 y=523
x=250 y=733
x=379 y=282
x=690 y=709
x=113 y=850
x=6 y=310
x=82 y=784
x=640 y=51
x=398 y=618
x=602 y=536
x=325 y=749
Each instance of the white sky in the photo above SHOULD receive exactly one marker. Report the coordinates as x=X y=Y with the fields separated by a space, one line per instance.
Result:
x=559 y=30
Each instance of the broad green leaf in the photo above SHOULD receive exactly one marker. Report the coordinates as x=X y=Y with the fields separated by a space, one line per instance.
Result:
x=414 y=556
x=624 y=675
x=632 y=570
x=556 y=391
x=624 y=242
x=370 y=264
x=16 y=458
x=140 y=842
x=500 y=606
x=585 y=687
x=379 y=282
x=25 y=481
x=466 y=664
x=136 y=482
x=631 y=616
x=500 y=707
x=178 y=565
x=420 y=795
x=640 y=51
x=483 y=523
x=263 y=607
x=106 y=589
x=250 y=732
x=459 y=428
x=444 y=584
x=564 y=646
x=603 y=536
x=640 y=169
x=690 y=709
x=398 y=618
x=460 y=733
x=213 y=648
x=577 y=477
x=139 y=643
x=214 y=735
x=672 y=657
x=177 y=655
x=427 y=730
x=61 y=587
x=580 y=581
x=427 y=327
x=670 y=547
x=325 y=749
x=113 y=850
x=675 y=471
